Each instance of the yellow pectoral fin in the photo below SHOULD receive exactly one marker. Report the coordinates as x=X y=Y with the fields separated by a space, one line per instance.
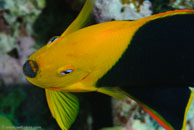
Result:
x=64 y=107
x=81 y=19
x=114 y=92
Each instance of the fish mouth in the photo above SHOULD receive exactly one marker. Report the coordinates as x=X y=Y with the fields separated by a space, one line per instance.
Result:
x=30 y=68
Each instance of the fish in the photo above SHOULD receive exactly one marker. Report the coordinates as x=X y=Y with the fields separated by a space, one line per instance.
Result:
x=149 y=60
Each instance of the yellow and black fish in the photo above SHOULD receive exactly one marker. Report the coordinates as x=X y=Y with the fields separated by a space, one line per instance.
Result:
x=143 y=59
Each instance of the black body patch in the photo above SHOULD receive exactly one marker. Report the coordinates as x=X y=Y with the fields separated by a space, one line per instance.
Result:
x=161 y=53
x=169 y=102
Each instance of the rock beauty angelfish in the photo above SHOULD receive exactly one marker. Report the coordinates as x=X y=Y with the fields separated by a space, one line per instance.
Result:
x=150 y=60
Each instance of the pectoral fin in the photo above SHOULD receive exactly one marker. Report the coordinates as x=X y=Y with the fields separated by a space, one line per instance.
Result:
x=81 y=19
x=168 y=106
x=63 y=106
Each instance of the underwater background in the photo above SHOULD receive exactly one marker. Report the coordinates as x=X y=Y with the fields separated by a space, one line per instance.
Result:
x=27 y=25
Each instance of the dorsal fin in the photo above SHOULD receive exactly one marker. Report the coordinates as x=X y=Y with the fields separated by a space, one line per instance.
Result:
x=81 y=19
x=168 y=13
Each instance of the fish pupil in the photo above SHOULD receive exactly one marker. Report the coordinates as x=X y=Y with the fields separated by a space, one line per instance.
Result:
x=66 y=72
x=53 y=39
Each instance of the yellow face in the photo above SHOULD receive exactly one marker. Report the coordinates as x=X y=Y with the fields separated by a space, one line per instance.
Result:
x=55 y=65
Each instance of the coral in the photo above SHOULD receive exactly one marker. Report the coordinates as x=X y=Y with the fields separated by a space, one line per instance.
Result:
x=182 y=4
x=20 y=12
x=16 y=19
x=24 y=50
x=10 y=70
x=131 y=116
x=107 y=10
x=11 y=67
x=7 y=43
x=11 y=61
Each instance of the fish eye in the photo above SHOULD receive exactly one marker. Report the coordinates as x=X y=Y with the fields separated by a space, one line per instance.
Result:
x=53 y=39
x=66 y=72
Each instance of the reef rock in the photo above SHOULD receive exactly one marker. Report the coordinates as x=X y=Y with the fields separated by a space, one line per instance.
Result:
x=108 y=10
x=182 y=4
x=16 y=44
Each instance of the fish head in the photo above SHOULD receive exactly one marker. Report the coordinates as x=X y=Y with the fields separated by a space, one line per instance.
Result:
x=56 y=64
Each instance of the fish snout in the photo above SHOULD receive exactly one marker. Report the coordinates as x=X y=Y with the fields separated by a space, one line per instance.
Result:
x=30 y=68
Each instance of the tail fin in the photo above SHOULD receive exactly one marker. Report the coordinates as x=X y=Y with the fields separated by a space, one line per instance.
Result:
x=168 y=106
